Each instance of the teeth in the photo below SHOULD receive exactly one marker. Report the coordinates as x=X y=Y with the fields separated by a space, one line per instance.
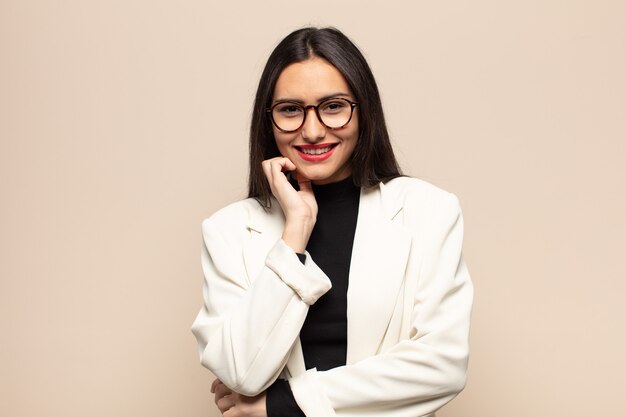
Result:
x=317 y=151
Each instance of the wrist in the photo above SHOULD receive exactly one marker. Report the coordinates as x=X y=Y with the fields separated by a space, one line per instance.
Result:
x=296 y=235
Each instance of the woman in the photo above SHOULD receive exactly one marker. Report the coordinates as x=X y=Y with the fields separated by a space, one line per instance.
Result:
x=280 y=327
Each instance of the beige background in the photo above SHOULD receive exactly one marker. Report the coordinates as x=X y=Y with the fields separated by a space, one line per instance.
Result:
x=124 y=123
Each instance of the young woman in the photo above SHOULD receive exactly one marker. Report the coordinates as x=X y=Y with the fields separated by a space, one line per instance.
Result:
x=338 y=287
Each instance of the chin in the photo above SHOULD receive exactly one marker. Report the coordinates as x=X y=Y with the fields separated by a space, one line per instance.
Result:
x=315 y=175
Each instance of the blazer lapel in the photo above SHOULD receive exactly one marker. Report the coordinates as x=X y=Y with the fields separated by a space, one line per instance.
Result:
x=379 y=257
x=265 y=230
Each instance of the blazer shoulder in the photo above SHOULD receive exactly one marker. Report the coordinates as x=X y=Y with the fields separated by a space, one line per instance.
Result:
x=243 y=216
x=234 y=215
x=416 y=192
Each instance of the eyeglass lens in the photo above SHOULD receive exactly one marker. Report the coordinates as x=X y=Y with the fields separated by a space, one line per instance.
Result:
x=334 y=113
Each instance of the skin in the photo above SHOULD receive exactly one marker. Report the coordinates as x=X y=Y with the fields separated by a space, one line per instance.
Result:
x=307 y=82
x=233 y=404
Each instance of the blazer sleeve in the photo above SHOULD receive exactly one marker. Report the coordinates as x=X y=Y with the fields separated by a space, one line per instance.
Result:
x=426 y=370
x=248 y=325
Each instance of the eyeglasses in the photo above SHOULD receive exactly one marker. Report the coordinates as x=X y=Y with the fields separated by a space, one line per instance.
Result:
x=334 y=113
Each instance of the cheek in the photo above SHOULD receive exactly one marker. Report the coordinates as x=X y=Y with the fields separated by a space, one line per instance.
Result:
x=282 y=141
x=278 y=138
x=354 y=127
x=353 y=135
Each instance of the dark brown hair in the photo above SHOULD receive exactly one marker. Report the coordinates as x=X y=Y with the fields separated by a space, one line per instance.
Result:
x=373 y=160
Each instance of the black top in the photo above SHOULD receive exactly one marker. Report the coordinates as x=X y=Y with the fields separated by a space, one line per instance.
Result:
x=324 y=332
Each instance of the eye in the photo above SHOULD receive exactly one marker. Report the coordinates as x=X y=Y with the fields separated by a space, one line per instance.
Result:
x=288 y=110
x=334 y=106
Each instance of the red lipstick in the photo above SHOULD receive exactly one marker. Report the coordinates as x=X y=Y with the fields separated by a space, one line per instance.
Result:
x=316 y=157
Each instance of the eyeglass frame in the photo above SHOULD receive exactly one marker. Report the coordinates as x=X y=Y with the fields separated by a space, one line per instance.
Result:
x=306 y=112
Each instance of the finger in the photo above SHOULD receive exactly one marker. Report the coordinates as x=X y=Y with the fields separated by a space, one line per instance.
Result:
x=267 y=170
x=238 y=409
x=285 y=164
x=288 y=165
x=277 y=159
x=279 y=167
x=225 y=403
x=221 y=390
x=277 y=178
x=214 y=384
x=247 y=406
x=303 y=183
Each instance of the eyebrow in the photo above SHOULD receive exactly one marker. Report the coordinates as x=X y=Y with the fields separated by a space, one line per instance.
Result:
x=329 y=96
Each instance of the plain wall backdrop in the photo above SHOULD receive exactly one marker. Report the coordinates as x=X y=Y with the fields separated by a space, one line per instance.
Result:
x=123 y=124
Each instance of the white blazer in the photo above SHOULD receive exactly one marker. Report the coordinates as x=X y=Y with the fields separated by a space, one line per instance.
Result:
x=409 y=303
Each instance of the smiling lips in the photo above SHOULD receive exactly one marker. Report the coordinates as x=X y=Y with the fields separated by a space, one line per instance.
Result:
x=316 y=153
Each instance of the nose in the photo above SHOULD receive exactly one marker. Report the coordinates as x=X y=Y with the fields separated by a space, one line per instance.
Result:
x=312 y=129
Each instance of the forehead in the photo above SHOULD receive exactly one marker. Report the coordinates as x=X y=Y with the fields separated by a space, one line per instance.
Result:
x=310 y=80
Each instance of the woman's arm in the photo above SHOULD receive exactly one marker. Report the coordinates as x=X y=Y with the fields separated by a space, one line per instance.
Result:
x=248 y=325
x=420 y=374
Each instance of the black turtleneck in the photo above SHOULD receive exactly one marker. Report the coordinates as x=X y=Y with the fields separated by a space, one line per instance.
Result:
x=324 y=332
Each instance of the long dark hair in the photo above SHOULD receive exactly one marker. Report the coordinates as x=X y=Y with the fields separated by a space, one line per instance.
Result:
x=373 y=160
